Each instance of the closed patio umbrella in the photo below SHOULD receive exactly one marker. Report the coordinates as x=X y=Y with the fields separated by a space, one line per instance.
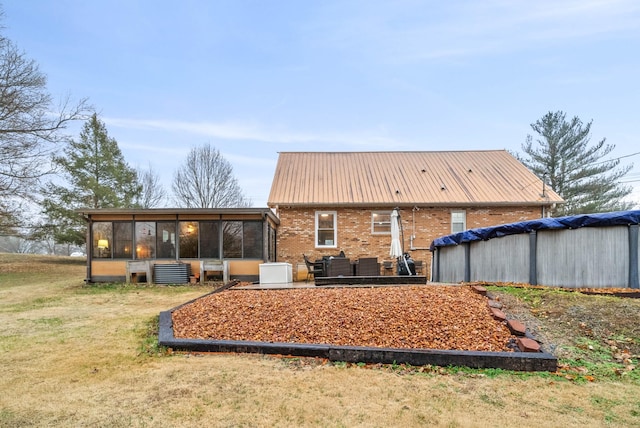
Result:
x=396 y=246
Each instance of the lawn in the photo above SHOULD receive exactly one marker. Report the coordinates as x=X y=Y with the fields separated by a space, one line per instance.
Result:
x=78 y=355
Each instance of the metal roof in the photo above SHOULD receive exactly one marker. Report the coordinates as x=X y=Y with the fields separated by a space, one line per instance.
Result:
x=87 y=212
x=451 y=178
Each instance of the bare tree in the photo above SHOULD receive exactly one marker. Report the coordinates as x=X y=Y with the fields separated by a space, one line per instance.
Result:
x=29 y=131
x=18 y=244
x=153 y=193
x=206 y=180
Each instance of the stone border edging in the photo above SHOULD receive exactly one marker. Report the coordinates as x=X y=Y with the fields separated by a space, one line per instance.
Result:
x=524 y=340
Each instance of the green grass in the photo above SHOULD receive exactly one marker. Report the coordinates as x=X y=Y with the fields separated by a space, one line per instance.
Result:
x=148 y=334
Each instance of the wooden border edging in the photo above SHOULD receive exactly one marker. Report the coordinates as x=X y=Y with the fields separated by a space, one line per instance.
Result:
x=519 y=361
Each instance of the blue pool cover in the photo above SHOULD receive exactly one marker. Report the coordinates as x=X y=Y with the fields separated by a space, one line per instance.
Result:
x=618 y=218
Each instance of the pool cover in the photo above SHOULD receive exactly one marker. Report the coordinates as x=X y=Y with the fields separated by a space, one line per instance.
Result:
x=618 y=218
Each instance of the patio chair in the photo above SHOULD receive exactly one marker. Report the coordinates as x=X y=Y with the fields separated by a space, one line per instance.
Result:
x=387 y=266
x=313 y=269
x=418 y=265
x=368 y=266
x=339 y=266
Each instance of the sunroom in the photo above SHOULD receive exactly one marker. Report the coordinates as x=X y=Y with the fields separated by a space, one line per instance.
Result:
x=154 y=245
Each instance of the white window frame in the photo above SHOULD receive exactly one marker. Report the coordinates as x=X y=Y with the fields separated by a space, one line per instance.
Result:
x=375 y=214
x=463 y=213
x=335 y=229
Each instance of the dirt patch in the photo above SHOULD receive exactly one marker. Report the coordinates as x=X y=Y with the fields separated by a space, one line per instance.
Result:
x=575 y=325
x=434 y=317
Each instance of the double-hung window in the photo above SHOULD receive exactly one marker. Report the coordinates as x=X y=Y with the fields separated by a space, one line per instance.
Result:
x=381 y=222
x=326 y=229
x=458 y=221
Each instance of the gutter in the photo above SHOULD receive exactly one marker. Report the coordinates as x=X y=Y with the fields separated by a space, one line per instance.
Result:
x=392 y=205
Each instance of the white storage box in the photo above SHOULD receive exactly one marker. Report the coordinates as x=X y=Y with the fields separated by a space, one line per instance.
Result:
x=276 y=273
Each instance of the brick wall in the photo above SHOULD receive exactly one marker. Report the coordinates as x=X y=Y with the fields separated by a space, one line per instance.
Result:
x=296 y=234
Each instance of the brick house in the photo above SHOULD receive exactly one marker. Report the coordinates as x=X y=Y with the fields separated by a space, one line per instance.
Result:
x=342 y=201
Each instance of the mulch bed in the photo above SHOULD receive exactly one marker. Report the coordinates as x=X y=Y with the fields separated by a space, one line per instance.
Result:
x=416 y=317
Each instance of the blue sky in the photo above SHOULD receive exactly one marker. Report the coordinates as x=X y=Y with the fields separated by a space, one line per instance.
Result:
x=254 y=77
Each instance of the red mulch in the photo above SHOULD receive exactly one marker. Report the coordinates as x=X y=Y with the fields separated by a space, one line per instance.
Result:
x=433 y=317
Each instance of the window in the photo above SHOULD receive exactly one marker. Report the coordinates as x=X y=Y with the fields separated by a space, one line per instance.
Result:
x=381 y=222
x=122 y=240
x=145 y=240
x=458 y=221
x=112 y=240
x=210 y=239
x=158 y=240
x=166 y=239
x=188 y=245
x=252 y=240
x=102 y=239
x=232 y=239
x=326 y=233
x=242 y=240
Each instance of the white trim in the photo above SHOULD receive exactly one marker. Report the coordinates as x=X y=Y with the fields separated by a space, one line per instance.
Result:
x=373 y=222
x=330 y=244
x=464 y=220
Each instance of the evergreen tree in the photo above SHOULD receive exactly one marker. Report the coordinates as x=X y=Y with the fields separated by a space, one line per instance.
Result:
x=564 y=157
x=97 y=176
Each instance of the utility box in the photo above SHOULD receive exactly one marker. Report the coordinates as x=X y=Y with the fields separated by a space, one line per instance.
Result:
x=276 y=273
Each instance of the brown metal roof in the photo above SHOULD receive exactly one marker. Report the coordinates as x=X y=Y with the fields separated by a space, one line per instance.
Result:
x=492 y=177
